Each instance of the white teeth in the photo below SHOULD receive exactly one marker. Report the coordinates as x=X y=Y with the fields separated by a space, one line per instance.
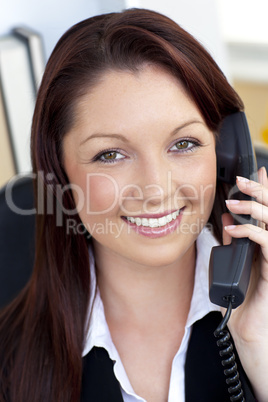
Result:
x=154 y=222
x=138 y=221
x=169 y=218
x=144 y=222
x=162 y=221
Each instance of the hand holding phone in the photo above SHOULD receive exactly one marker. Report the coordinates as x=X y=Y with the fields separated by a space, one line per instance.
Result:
x=230 y=265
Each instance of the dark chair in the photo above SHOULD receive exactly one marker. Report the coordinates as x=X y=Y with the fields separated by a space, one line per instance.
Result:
x=16 y=236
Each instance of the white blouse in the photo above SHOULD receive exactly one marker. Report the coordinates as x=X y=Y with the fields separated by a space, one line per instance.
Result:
x=99 y=335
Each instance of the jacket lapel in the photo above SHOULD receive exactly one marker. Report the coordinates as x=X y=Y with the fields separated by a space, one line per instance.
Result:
x=204 y=377
x=98 y=382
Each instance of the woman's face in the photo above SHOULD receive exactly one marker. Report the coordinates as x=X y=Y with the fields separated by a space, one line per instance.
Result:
x=144 y=167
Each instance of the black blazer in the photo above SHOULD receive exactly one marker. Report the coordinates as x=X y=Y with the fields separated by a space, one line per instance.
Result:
x=204 y=377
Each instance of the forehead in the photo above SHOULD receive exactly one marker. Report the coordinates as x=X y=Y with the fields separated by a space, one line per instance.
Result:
x=122 y=97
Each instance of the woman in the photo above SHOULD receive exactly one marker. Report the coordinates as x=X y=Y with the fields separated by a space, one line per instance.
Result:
x=124 y=134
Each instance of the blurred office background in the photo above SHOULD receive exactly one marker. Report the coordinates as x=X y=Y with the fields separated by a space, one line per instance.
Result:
x=234 y=32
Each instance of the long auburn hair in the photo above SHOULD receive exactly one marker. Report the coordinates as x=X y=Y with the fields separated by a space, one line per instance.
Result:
x=42 y=330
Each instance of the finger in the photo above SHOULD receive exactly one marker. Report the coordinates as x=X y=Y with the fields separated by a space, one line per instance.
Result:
x=253 y=189
x=227 y=219
x=253 y=208
x=252 y=232
x=262 y=176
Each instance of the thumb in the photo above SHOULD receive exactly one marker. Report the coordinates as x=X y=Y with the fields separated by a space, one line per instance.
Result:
x=226 y=219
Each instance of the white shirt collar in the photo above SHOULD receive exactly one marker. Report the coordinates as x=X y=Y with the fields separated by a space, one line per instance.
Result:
x=98 y=333
x=201 y=304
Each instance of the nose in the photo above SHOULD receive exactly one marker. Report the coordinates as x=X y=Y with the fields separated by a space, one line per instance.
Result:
x=153 y=181
x=153 y=187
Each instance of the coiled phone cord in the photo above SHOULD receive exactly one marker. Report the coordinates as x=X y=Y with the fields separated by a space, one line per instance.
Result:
x=235 y=387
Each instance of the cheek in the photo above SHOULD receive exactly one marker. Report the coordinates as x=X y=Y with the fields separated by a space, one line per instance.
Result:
x=206 y=198
x=100 y=194
x=208 y=179
x=200 y=190
x=198 y=197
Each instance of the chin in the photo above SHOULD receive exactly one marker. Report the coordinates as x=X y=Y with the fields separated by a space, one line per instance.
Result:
x=163 y=257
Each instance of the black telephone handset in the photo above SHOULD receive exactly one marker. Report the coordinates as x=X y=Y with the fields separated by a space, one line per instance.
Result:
x=230 y=265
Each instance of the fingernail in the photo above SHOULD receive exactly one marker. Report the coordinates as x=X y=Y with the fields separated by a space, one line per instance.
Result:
x=263 y=168
x=229 y=227
x=232 y=202
x=242 y=179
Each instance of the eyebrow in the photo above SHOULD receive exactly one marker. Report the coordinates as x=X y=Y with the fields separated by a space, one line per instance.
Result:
x=103 y=135
x=124 y=139
x=186 y=124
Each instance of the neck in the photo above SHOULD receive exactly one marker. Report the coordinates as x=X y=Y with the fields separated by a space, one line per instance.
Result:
x=141 y=294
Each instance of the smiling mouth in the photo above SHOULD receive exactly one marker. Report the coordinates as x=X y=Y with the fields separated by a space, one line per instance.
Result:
x=153 y=222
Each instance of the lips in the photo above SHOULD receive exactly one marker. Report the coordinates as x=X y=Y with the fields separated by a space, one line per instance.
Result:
x=154 y=226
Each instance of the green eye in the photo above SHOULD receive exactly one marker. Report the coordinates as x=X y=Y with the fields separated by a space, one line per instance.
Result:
x=182 y=144
x=109 y=155
x=185 y=145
